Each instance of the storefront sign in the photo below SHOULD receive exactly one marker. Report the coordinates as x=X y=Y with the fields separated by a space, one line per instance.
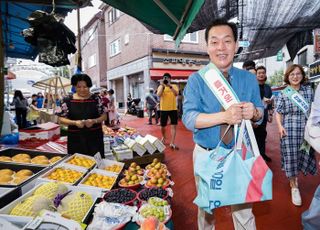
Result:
x=316 y=34
x=314 y=70
x=184 y=61
x=244 y=43
x=279 y=55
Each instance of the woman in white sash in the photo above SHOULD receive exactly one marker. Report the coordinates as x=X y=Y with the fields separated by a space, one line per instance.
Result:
x=291 y=121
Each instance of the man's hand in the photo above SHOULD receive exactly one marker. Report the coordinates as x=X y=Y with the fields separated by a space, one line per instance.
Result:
x=89 y=123
x=248 y=110
x=268 y=101
x=233 y=115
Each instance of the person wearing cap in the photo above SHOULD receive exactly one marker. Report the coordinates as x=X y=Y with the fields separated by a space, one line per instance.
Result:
x=83 y=113
x=168 y=108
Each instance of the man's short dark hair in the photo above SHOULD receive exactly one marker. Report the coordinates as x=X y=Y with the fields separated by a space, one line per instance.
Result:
x=168 y=75
x=111 y=91
x=81 y=77
x=262 y=67
x=247 y=64
x=222 y=22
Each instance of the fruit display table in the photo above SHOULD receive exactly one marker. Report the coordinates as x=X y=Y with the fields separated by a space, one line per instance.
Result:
x=145 y=159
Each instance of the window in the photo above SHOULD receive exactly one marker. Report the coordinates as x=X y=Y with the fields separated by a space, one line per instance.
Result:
x=91 y=34
x=92 y=61
x=113 y=15
x=188 y=38
x=302 y=58
x=114 y=47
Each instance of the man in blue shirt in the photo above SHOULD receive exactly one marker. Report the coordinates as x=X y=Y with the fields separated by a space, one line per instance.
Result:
x=204 y=116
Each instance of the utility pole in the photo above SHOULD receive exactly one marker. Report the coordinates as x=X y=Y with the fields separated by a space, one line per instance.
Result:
x=79 y=58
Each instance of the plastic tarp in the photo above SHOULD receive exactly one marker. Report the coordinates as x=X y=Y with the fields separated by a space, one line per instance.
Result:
x=267 y=24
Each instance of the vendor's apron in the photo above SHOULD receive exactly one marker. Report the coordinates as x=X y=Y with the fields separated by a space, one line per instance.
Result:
x=85 y=140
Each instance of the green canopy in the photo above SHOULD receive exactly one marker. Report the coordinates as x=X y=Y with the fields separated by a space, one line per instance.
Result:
x=171 y=17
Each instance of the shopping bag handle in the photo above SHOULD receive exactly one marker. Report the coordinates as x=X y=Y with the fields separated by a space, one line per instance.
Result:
x=224 y=134
x=247 y=124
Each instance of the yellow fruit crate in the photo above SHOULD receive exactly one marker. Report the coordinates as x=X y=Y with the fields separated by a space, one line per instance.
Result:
x=99 y=179
x=111 y=166
x=65 y=173
x=81 y=160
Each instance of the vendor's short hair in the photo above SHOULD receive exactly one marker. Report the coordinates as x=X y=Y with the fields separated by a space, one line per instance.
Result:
x=81 y=77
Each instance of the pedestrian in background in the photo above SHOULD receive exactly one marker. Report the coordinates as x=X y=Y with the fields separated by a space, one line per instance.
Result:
x=21 y=107
x=112 y=108
x=33 y=113
x=260 y=130
x=291 y=121
x=168 y=108
x=151 y=103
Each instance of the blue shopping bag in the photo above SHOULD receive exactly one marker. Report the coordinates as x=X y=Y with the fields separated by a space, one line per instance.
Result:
x=225 y=178
x=311 y=217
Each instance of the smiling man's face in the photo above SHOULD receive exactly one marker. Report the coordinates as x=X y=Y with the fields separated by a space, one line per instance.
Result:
x=221 y=47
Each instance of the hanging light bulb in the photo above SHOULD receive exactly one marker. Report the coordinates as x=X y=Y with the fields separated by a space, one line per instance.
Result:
x=11 y=45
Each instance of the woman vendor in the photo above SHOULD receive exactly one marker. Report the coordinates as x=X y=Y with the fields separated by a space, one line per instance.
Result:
x=83 y=113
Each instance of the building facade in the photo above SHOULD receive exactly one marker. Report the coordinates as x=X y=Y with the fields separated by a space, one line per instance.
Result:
x=136 y=58
x=93 y=50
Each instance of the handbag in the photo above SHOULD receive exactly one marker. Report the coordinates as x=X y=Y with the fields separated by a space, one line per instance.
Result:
x=225 y=178
x=312 y=132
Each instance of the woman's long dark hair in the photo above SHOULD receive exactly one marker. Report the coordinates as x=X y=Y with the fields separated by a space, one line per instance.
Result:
x=18 y=94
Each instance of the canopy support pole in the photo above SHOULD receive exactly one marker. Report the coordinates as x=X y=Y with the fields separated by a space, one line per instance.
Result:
x=1 y=74
x=79 y=64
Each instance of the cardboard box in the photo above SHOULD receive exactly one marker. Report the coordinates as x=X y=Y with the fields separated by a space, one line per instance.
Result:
x=122 y=152
x=156 y=142
x=40 y=133
x=135 y=146
x=146 y=143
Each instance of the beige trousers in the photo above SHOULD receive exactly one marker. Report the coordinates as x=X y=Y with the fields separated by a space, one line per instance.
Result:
x=242 y=216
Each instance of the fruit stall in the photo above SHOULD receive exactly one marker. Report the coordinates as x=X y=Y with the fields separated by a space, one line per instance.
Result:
x=79 y=191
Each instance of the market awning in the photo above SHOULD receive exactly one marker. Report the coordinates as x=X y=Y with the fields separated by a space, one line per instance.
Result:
x=52 y=82
x=156 y=74
x=265 y=25
x=171 y=17
x=14 y=16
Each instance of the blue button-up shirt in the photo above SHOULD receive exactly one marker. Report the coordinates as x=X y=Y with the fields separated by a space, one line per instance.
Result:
x=199 y=99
